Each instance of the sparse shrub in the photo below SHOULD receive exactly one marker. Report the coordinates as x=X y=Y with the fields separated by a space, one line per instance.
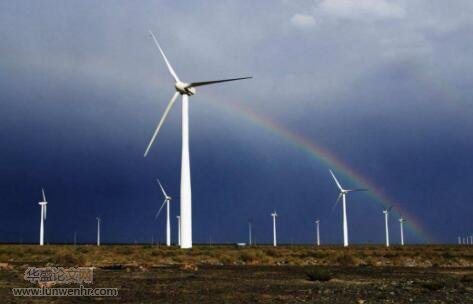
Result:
x=28 y=250
x=67 y=259
x=124 y=250
x=318 y=274
x=225 y=259
x=447 y=255
x=83 y=249
x=272 y=252
x=432 y=285
x=179 y=258
x=467 y=278
x=346 y=259
x=248 y=257
x=44 y=251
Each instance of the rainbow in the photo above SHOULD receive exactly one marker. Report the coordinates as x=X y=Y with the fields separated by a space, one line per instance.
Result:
x=322 y=155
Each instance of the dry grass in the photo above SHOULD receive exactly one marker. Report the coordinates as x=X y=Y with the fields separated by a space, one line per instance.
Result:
x=89 y=255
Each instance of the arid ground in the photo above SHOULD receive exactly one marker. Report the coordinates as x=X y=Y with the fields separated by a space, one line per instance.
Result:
x=262 y=274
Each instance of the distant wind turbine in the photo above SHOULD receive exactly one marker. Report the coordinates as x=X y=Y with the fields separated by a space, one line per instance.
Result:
x=98 y=230
x=43 y=205
x=343 y=194
x=167 y=200
x=401 y=223
x=274 y=215
x=386 y=223
x=178 y=230
x=186 y=90
x=249 y=232
x=317 y=222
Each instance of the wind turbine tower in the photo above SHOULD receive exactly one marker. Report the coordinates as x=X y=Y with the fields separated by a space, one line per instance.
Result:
x=43 y=205
x=317 y=222
x=249 y=232
x=185 y=90
x=386 y=224
x=98 y=230
x=274 y=215
x=342 y=195
x=401 y=224
x=167 y=200
x=178 y=230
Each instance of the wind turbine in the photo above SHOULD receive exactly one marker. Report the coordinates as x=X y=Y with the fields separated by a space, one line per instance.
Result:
x=249 y=232
x=178 y=230
x=274 y=214
x=185 y=90
x=98 y=230
x=343 y=194
x=317 y=222
x=43 y=205
x=386 y=226
x=167 y=200
x=401 y=223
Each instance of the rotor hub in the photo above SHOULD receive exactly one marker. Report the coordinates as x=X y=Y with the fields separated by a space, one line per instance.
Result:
x=184 y=88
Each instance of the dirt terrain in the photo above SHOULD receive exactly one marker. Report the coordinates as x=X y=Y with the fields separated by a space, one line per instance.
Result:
x=226 y=274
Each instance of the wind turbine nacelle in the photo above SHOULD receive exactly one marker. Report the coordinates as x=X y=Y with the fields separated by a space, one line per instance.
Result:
x=184 y=88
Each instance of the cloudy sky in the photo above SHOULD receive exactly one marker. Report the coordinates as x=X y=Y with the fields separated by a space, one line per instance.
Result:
x=383 y=86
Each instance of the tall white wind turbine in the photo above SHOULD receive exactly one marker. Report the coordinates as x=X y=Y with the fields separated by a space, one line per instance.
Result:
x=249 y=232
x=386 y=223
x=274 y=215
x=167 y=200
x=43 y=205
x=185 y=90
x=98 y=230
x=342 y=195
x=178 y=230
x=401 y=223
x=317 y=223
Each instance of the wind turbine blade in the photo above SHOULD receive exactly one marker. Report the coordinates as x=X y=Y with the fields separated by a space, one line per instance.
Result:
x=44 y=196
x=171 y=70
x=157 y=213
x=165 y=114
x=336 y=203
x=203 y=83
x=390 y=208
x=45 y=210
x=336 y=181
x=356 y=190
x=162 y=189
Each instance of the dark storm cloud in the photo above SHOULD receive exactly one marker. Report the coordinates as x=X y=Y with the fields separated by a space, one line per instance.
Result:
x=385 y=85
